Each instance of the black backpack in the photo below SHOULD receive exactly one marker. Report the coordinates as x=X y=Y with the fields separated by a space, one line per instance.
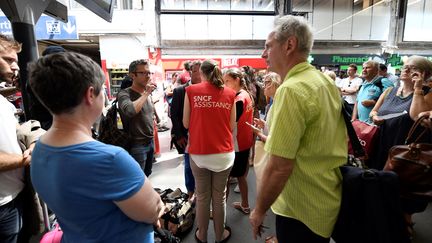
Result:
x=110 y=133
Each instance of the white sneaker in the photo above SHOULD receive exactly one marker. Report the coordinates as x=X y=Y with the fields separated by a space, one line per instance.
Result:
x=237 y=189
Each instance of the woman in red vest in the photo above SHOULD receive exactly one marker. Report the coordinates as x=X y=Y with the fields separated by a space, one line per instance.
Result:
x=209 y=114
x=243 y=134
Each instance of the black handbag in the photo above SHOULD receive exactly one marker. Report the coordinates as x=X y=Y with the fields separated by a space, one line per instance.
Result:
x=110 y=133
x=370 y=208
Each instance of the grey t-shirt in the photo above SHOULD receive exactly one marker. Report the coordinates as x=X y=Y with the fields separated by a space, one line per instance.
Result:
x=139 y=125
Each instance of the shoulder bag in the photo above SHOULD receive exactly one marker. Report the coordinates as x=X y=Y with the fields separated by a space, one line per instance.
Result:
x=413 y=164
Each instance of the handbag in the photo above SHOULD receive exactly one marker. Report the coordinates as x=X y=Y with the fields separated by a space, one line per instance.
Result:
x=53 y=236
x=109 y=130
x=366 y=134
x=260 y=160
x=370 y=207
x=413 y=164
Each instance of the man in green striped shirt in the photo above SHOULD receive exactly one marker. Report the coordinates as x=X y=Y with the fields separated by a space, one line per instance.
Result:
x=307 y=142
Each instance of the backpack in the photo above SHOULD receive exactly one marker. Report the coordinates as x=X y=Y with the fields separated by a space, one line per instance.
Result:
x=180 y=215
x=109 y=131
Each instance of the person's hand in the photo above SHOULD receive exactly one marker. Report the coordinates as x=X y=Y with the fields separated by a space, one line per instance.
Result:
x=426 y=122
x=182 y=142
x=368 y=103
x=260 y=123
x=256 y=220
x=377 y=120
x=27 y=155
x=26 y=160
x=150 y=87
x=417 y=77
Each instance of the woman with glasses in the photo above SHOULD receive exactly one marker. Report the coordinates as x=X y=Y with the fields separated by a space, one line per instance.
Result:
x=394 y=113
x=393 y=108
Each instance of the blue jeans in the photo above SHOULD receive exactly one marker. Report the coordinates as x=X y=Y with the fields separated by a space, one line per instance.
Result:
x=144 y=155
x=10 y=221
x=189 y=178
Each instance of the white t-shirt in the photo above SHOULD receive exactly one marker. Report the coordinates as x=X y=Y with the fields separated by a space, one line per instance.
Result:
x=347 y=83
x=11 y=181
x=214 y=162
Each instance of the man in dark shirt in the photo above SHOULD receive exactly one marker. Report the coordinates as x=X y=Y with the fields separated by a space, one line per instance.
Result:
x=178 y=132
x=137 y=111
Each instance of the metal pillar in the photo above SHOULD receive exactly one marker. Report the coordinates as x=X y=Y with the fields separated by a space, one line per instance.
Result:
x=24 y=33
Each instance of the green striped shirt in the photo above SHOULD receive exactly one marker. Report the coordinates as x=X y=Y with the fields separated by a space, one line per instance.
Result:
x=308 y=127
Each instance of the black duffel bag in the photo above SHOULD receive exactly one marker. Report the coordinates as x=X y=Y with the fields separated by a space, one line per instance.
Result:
x=370 y=209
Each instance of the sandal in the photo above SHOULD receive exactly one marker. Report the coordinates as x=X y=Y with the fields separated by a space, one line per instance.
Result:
x=196 y=237
x=227 y=228
x=238 y=206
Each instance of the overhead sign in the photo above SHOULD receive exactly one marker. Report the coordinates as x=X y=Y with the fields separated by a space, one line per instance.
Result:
x=46 y=28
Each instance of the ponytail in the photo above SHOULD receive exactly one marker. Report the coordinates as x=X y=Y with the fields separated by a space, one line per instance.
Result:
x=216 y=77
x=213 y=73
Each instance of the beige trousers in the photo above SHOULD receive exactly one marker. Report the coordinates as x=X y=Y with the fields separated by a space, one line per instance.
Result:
x=210 y=187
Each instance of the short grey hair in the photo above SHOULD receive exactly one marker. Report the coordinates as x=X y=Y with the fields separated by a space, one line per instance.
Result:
x=288 y=25
x=375 y=64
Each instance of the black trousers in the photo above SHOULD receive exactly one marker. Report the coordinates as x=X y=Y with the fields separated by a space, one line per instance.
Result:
x=289 y=230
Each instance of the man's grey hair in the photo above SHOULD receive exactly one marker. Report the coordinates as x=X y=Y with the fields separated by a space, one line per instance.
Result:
x=374 y=64
x=289 y=25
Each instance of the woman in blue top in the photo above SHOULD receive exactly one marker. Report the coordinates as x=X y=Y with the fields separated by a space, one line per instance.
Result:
x=97 y=191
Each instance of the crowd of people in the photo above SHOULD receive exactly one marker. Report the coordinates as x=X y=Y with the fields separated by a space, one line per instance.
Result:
x=299 y=180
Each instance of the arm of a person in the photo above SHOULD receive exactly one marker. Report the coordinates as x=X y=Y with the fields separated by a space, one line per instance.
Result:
x=351 y=90
x=354 y=114
x=233 y=117
x=186 y=112
x=420 y=103
x=276 y=174
x=11 y=161
x=131 y=108
x=261 y=136
x=144 y=206
x=374 y=112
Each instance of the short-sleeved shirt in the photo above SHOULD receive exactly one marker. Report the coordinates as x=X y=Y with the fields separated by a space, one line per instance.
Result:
x=370 y=91
x=139 y=125
x=11 y=181
x=307 y=127
x=347 y=83
x=80 y=183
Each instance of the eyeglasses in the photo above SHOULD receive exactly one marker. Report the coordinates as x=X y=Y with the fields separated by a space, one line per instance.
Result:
x=409 y=68
x=145 y=73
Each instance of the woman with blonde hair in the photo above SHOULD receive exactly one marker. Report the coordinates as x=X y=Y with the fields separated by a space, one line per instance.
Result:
x=209 y=113
x=272 y=81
